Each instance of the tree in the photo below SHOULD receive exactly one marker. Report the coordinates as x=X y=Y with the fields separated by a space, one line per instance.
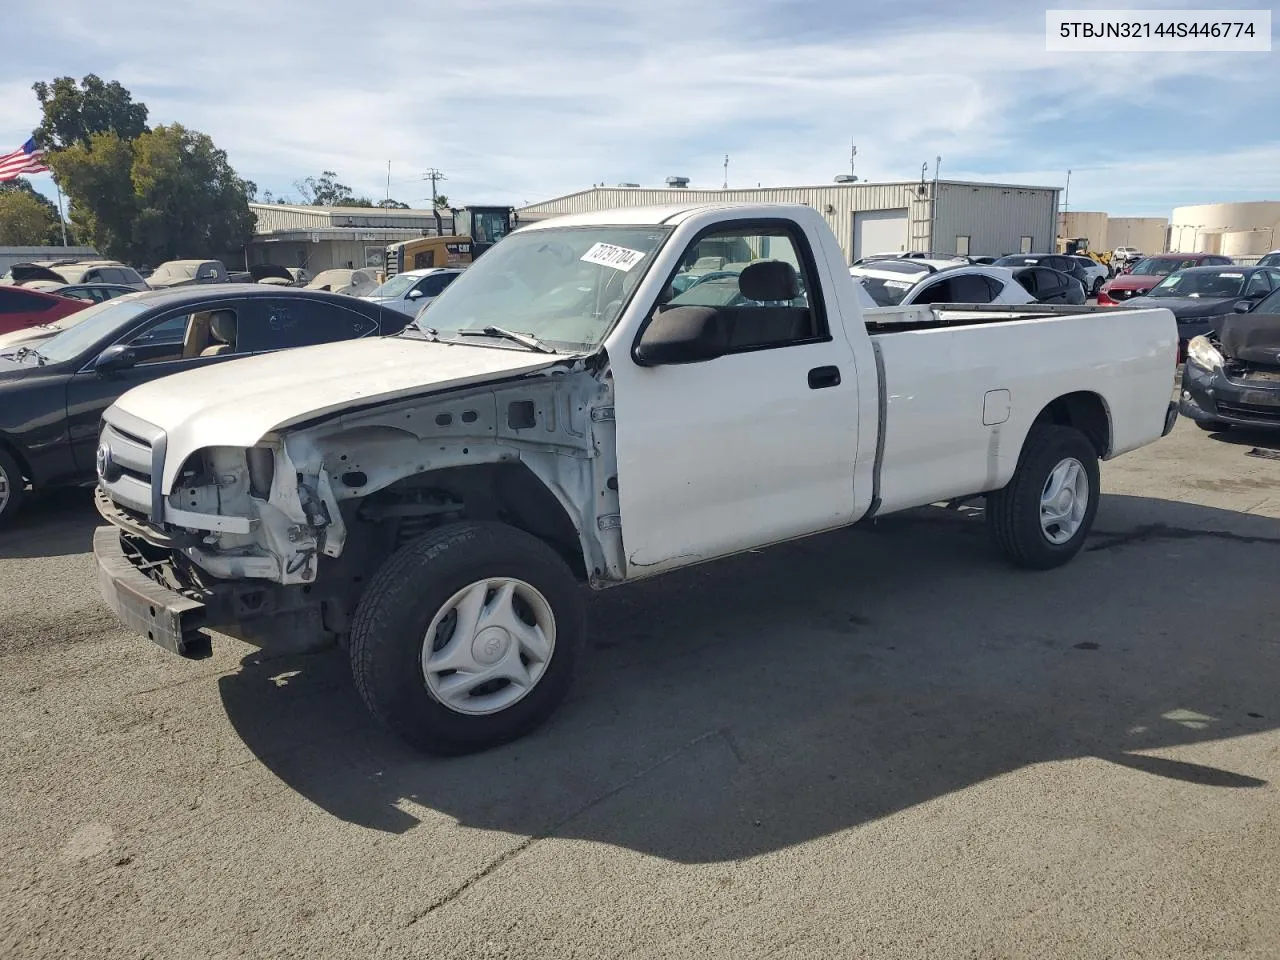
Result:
x=190 y=203
x=389 y=204
x=442 y=200
x=27 y=218
x=168 y=194
x=324 y=190
x=73 y=114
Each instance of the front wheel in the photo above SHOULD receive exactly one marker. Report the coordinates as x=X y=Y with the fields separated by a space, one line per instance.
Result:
x=1097 y=286
x=467 y=637
x=12 y=487
x=1041 y=519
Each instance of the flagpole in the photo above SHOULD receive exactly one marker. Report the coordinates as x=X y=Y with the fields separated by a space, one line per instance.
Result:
x=62 y=221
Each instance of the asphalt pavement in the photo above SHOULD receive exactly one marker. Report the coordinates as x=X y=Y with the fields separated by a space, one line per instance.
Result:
x=881 y=742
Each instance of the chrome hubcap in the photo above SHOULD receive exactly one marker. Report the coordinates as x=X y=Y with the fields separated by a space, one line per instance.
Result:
x=4 y=489
x=488 y=646
x=1063 y=501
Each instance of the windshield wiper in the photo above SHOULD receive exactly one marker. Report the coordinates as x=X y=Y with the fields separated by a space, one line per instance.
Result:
x=415 y=332
x=23 y=352
x=524 y=339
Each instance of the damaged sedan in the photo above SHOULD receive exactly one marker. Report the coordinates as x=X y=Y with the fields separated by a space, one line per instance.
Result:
x=1232 y=375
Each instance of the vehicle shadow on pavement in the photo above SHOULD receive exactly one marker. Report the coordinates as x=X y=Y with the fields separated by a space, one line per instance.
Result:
x=745 y=706
x=1268 y=440
x=51 y=523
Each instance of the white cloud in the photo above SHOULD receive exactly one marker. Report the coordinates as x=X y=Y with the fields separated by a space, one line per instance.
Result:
x=524 y=99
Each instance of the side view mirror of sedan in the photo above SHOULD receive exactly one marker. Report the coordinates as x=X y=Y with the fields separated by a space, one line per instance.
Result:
x=415 y=294
x=1244 y=306
x=119 y=356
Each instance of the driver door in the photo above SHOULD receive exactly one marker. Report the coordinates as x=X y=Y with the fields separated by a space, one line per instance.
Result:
x=749 y=448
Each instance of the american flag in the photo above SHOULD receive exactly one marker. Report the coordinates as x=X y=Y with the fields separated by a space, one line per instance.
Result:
x=28 y=158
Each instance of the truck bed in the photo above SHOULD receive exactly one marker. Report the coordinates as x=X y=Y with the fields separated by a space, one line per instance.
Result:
x=935 y=315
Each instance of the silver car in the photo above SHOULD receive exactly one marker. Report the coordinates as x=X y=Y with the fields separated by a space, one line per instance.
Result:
x=411 y=291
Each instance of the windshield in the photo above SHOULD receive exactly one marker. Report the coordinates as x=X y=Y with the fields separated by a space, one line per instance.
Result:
x=562 y=285
x=1160 y=266
x=884 y=291
x=397 y=286
x=1270 y=260
x=90 y=325
x=1018 y=260
x=1194 y=283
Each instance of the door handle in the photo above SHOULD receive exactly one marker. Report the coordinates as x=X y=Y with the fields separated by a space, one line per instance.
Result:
x=820 y=377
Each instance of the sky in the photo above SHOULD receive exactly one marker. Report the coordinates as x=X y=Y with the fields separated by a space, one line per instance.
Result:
x=518 y=101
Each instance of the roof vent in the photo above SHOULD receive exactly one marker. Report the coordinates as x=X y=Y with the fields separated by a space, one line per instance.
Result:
x=678 y=183
x=846 y=178
x=628 y=184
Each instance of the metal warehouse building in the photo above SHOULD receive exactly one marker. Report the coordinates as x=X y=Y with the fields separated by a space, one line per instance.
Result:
x=946 y=216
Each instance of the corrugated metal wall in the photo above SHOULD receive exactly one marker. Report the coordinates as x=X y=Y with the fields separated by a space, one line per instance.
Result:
x=274 y=217
x=995 y=218
x=989 y=214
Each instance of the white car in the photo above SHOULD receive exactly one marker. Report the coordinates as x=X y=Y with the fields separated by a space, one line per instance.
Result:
x=1098 y=273
x=903 y=283
x=411 y=291
x=1123 y=255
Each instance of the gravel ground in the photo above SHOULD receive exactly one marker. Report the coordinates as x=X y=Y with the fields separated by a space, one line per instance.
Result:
x=880 y=742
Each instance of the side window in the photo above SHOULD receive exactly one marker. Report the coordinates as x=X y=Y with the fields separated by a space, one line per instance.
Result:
x=301 y=322
x=994 y=289
x=163 y=341
x=1030 y=281
x=1049 y=282
x=758 y=277
x=433 y=285
x=1258 y=285
x=940 y=291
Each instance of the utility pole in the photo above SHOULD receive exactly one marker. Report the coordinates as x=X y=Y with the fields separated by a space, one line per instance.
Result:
x=726 y=172
x=853 y=156
x=1066 y=194
x=435 y=176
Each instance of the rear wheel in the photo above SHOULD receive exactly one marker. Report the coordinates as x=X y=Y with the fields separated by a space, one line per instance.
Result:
x=1041 y=519
x=1097 y=286
x=12 y=487
x=467 y=637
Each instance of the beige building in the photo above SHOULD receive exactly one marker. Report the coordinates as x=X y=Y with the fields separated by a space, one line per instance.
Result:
x=323 y=238
x=1147 y=234
x=1089 y=224
x=1233 y=229
x=949 y=216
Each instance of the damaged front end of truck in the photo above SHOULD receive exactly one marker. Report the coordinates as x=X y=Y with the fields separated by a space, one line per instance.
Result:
x=274 y=542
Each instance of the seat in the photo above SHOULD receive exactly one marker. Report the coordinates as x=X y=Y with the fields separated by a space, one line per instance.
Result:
x=773 y=282
x=222 y=328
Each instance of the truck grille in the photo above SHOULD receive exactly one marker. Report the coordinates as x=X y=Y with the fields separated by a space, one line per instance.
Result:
x=129 y=453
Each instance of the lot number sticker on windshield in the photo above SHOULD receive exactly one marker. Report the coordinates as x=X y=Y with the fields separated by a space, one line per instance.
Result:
x=608 y=255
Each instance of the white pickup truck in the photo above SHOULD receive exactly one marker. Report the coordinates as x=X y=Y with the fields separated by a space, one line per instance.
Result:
x=561 y=415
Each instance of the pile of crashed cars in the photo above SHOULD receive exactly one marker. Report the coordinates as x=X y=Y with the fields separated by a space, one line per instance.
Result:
x=75 y=335
x=892 y=280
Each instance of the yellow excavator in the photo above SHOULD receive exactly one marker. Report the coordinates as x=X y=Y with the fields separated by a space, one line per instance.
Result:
x=1079 y=246
x=475 y=230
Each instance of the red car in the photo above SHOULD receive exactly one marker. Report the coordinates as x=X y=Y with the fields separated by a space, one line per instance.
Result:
x=1149 y=271
x=21 y=308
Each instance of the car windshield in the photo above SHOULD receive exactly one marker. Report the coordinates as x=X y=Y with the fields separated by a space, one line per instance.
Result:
x=90 y=325
x=884 y=291
x=562 y=285
x=1270 y=260
x=397 y=286
x=1018 y=260
x=1160 y=266
x=1198 y=283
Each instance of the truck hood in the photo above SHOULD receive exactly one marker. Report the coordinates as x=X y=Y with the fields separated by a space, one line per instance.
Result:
x=236 y=403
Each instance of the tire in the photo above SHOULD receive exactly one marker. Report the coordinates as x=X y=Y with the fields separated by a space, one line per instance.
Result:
x=1014 y=514
x=429 y=581
x=12 y=487
x=1097 y=286
x=1212 y=426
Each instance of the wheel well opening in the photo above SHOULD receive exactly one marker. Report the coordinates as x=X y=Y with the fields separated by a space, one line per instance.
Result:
x=505 y=492
x=1085 y=412
x=12 y=450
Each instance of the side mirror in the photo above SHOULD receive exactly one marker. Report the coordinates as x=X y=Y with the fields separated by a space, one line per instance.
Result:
x=415 y=294
x=119 y=356
x=1244 y=306
x=683 y=335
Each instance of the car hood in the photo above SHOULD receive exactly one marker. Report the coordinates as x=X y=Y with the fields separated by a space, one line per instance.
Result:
x=235 y=404
x=1187 y=308
x=26 y=336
